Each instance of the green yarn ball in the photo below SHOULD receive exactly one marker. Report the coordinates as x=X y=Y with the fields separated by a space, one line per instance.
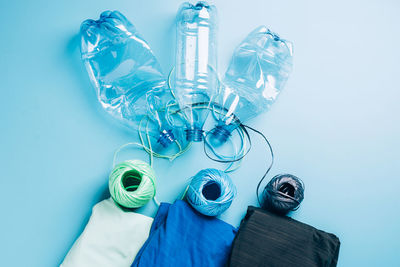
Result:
x=132 y=183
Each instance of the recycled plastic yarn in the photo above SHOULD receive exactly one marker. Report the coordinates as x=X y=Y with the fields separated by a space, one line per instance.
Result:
x=132 y=183
x=211 y=192
x=283 y=193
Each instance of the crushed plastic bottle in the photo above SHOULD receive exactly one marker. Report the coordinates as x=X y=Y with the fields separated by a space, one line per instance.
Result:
x=258 y=71
x=123 y=69
x=195 y=79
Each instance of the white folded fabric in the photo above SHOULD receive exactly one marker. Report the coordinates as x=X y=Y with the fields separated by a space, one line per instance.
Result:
x=112 y=238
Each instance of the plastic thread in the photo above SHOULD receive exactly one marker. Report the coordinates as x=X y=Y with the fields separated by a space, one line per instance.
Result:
x=283 y=193
x=132 y=183
x=211 y=192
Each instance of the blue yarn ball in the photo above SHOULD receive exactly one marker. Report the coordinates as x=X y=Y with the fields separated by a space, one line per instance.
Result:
x=211 y=192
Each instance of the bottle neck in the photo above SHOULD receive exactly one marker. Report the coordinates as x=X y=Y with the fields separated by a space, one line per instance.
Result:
x=166 y=138
x=221 y=133
x=194 y=135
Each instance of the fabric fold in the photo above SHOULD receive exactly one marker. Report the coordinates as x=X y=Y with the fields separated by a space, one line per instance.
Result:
x=111 y=238
x=181 y=237
x=267 y=239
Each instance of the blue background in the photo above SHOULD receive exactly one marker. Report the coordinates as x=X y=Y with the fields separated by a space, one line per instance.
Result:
x=336 y=124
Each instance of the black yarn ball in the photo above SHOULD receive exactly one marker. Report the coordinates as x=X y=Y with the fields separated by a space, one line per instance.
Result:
x=283 y=193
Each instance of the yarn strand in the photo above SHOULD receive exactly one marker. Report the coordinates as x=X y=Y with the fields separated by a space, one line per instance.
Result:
x=270 y=164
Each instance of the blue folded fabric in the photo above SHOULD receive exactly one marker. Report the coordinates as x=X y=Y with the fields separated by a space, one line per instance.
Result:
x=180 y=236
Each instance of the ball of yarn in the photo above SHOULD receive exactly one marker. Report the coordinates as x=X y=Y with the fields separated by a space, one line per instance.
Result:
x=283 y=193
x=211 y=192
x=132 y=183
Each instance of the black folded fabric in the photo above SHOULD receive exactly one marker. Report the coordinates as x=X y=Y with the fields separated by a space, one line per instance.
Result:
x=267 y=239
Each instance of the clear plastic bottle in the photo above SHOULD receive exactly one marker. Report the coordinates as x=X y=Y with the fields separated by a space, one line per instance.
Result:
x=123 y=69
x=158 y=100
x=258 y=71
x=195 y=80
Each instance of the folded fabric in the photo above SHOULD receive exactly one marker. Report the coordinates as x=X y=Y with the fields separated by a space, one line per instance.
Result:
x=182 y=237
x=266 y=239
x=111 y=238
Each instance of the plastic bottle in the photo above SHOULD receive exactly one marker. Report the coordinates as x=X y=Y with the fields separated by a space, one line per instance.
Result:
x=158 y=100
x=195 y=80
x=258 y=71
x=123 y=69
